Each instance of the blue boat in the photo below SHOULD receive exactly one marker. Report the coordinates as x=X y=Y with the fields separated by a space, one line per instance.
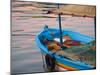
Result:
x=60 y=62
x=62 y=58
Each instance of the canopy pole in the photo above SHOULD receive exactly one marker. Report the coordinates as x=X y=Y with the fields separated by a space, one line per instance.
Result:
x=95 y=26
x=60 y=28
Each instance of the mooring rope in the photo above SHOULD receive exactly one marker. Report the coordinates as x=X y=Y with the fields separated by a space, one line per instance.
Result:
x=43 y=61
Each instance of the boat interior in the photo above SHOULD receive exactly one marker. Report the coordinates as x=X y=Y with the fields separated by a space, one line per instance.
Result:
x=73 y=47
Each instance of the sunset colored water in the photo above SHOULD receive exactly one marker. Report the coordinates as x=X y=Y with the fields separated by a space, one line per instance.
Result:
x=28 y=19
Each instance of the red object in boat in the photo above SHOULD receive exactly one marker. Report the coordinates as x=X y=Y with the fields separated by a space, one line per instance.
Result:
x=72 y=42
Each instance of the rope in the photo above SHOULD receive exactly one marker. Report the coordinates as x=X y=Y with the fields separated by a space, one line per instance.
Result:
x=43 y=61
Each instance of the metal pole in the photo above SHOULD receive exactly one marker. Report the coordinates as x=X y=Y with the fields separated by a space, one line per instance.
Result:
x=95 y=26
x=60 y=28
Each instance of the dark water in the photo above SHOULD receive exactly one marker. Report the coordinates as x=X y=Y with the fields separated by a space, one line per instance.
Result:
x=28 y=19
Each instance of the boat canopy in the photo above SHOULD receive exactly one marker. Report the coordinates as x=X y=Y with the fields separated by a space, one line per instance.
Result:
x=76 y=10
